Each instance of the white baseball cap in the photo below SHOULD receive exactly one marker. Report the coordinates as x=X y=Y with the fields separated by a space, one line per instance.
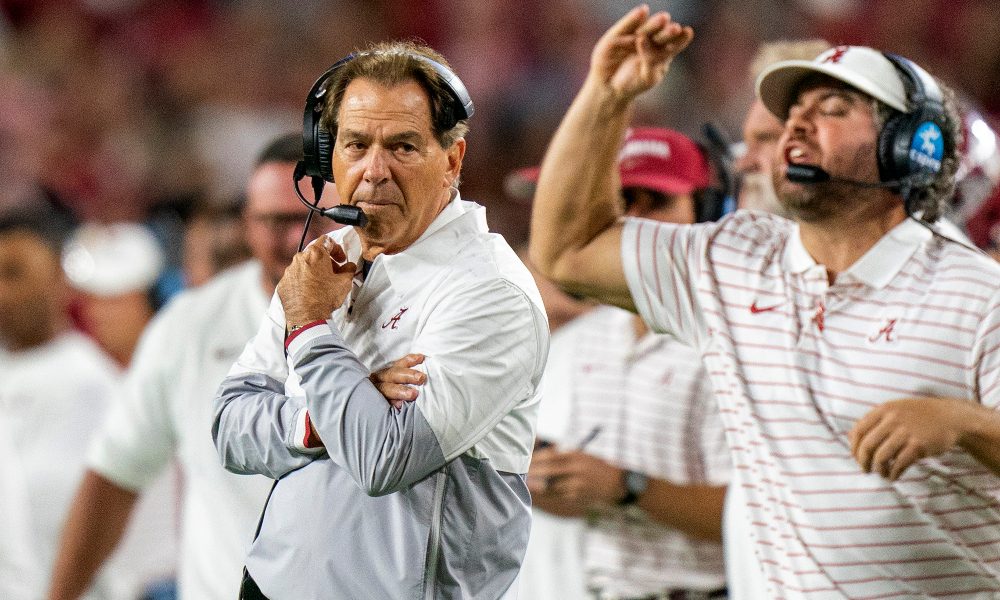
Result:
x=865 y=69
x=110 y=260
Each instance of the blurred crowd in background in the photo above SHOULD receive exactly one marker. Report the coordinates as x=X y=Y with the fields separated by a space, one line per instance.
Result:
x=153 y=110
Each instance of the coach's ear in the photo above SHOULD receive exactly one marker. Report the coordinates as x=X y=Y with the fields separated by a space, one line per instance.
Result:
x=455 y=154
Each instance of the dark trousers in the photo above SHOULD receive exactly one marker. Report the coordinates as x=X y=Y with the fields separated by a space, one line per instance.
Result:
x=249 y=589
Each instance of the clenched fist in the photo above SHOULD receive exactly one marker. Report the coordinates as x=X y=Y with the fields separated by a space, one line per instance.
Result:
x=316 y=283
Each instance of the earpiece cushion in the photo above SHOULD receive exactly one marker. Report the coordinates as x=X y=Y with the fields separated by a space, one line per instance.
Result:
x=890 y=165
x=712 y=205
x=324 y=153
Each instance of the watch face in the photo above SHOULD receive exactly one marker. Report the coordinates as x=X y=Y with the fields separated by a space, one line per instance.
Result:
x=635 y=483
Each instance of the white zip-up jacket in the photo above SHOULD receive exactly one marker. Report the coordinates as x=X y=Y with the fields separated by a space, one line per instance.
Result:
x=429 y=501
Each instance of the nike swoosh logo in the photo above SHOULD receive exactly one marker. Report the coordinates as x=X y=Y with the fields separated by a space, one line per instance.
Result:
x=754 y=309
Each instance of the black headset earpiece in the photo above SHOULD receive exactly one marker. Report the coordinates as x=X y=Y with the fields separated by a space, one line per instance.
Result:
x=911 y=145
x=317 y=145
x=316 y=142
x=715 y=200
x=711 y=205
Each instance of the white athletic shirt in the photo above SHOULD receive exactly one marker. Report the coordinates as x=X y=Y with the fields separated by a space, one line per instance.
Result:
x=166 y=412
x=795 y=362
x=52 y=400
x=553 y=563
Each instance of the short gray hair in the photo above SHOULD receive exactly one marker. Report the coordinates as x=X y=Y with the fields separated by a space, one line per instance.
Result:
x=392 y=63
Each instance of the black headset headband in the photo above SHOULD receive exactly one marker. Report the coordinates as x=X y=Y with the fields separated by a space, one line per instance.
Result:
x=922 y=89
x=316 y=143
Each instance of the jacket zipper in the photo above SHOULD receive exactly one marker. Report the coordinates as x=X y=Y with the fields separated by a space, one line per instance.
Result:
x=434 y=544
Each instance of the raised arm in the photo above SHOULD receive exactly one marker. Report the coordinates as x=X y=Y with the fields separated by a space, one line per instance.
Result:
x=575 y=235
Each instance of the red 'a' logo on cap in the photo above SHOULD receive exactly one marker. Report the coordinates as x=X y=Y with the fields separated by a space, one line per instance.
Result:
x=838 y=53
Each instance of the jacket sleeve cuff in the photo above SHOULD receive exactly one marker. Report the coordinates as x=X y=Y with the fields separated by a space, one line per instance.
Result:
x=305 y=439
x=303 y=335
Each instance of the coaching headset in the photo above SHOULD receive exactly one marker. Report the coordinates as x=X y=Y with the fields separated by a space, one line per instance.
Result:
x=317 y=144
x=911 y=146
x=720 y=199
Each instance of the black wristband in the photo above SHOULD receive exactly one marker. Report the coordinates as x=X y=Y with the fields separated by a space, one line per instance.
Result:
x=635 y=484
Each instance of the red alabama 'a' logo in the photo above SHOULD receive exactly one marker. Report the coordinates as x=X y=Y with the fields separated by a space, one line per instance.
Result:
x=886 y=332
x=838 y=53
x=394 y=320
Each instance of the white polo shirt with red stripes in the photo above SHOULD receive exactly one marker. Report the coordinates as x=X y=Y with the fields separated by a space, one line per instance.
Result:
x=795 y=361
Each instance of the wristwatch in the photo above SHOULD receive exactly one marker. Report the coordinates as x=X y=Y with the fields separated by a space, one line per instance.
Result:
x=635 y=485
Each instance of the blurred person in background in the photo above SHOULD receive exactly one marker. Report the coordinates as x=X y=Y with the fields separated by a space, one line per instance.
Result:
x=643 y=457
x=55 y=389
x=165 y=410
x=114 y=270
x=214 y=240
x=761 y=129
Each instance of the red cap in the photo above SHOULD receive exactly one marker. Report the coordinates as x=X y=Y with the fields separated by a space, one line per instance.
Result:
x=663 y=160
x=659 y=159
x=520 y=184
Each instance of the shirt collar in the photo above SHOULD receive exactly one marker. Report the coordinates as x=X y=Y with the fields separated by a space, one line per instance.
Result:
x=877 y=267
x=796 y=258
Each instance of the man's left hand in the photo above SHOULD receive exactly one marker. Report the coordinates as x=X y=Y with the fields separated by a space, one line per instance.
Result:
x=316 y=282
x=574 y=477
x=396 y=382
x=893 y=436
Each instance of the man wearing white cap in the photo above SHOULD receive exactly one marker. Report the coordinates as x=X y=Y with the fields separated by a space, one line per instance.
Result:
x=643 y=456
x=853 y=352
x=166 y=408
x=54 y=389
x=114 y=268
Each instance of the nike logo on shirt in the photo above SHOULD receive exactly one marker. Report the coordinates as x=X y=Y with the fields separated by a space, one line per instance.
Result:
x=759 y=309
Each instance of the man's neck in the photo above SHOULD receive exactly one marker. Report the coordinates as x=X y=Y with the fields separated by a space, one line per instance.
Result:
x=838 y=243
x=267 y=285
x=639 y=327
x=40 y=338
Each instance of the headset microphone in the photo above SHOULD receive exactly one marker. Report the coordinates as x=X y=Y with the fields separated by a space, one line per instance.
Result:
x=345 y=214
x=814 y=174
